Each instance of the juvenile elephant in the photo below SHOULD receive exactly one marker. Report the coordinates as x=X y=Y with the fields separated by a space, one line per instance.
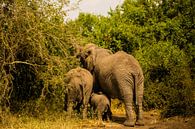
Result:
x=79 y=89
x=119 y=76
x=101 y=106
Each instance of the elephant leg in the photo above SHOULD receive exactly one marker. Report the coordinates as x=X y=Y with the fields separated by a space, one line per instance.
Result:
x=139 y=117
x=139 y=112
x=126 y=91
x=99 y=115
x=107 y=117
x=109 y=114
x=93 y=113
x=84 y=111
x=125 y=84
x=85 y=104
x=104 y=117
x=78 y=106
x=128 y=101
x=69 y=109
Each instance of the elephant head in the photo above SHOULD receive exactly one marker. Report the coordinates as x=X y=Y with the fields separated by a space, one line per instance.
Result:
x=87 y=56
x=90 y=53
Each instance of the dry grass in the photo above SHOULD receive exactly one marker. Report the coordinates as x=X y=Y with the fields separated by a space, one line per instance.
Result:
x=60 y=121
x=57 y=121
x=53 y=120
x=47 y=121
x=117 y=107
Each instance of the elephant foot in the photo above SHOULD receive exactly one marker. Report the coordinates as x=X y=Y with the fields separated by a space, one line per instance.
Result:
x=101 y=123
x=108 y=120
x=139 y=123
x=129 y=123
x=84 y=116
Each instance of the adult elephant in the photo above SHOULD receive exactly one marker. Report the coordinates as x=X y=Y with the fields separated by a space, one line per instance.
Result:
x=119 y=76
x=79 y=89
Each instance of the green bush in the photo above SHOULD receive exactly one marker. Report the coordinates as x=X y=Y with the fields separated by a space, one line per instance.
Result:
x=167 y=78
x=35 y=55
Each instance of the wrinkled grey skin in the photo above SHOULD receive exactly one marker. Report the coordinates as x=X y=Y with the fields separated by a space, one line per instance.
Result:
x=101 y=106
x=119 y=76
x=79 y=89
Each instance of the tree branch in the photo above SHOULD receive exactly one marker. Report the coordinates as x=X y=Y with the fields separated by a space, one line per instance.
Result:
x=21 y=62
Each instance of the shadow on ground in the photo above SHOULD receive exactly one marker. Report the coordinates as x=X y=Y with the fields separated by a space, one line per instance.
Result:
x=118 y=119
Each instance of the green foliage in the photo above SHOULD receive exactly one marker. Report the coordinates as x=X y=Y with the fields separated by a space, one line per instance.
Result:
x=35 y=55
x=167 y=75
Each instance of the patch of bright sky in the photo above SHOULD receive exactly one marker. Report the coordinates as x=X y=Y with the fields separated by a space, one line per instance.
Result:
x=97 y=7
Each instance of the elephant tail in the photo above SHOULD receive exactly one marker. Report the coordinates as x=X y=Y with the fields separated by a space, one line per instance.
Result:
x=138 y=80
x=136 y=89
x=82 y=92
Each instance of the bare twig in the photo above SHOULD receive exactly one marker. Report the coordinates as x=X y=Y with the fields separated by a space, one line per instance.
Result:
x=21 y=62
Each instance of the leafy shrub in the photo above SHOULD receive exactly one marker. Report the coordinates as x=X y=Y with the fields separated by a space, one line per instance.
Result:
x=35 y=55
x=167 y=78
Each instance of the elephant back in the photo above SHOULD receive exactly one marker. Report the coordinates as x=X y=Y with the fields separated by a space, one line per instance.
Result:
x=99 y=99
x=128 y=61
x=79 y=77
x=86 y=78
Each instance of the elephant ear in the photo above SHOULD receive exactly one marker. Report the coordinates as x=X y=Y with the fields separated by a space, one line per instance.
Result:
x=90 y=59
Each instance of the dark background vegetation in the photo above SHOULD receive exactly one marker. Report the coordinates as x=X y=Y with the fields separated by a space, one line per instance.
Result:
x=37 y=49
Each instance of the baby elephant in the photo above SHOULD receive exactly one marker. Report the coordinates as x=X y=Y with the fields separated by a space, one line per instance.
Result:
x=79 y=89
x=101 y=106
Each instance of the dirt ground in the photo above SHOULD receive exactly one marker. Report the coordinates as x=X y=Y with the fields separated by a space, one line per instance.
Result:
x=151 y=120
x=58 y=121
